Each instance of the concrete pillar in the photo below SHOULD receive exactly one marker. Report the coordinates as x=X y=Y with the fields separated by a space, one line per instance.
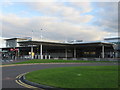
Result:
x=103 y=51
x=32 y=52
x=41 y=53
x=113 y=54
x=74 y=52
x=18 y=52
x=116 y=54
x=65 y=53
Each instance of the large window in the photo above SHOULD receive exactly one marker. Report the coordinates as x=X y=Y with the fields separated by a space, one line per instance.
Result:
x=90 y=53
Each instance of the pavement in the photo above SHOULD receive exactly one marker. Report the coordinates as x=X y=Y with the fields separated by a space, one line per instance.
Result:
x=11 y=61
x=9 y=73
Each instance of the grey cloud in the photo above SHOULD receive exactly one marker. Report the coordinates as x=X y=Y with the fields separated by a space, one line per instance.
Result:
x=52 y=29
x=64 y=12
x=60 y=28
x=106 y=16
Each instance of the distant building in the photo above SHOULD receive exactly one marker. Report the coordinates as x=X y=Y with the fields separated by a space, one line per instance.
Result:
x=116 y=42
x=75 y=41
x=13 y=42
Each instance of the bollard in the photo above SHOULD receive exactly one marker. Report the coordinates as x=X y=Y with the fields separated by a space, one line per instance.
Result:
x=45 y=56
x=49 y=56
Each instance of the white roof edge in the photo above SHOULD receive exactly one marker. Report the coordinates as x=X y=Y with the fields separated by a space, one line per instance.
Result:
x=72 y=43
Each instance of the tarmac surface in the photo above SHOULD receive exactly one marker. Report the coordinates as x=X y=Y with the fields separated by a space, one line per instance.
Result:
x=10 y=73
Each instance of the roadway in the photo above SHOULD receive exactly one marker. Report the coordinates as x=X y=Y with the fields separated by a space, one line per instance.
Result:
x=10 y=73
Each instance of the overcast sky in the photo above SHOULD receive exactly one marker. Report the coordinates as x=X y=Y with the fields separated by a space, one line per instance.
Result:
x=87 y=21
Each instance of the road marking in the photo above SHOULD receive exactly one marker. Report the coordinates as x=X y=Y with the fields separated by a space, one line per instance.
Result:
x=21 y=84
x=19 y=76
x=47 y=63
x=26 y=84
x=18 y=81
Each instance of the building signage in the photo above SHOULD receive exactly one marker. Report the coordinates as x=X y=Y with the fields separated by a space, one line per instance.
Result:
x=14 y=49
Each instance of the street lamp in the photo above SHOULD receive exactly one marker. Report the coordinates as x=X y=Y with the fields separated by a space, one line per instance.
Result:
x=32 y=57
x=41 y=56
x=41 y=34
x=32 y=34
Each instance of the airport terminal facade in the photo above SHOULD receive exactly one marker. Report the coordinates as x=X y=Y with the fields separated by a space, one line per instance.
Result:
x=26 y=48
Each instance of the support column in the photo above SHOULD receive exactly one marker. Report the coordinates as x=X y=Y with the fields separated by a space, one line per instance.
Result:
x=18 y=52
x=32 y=52
x=116 y=54
x=103 y=51
x=65 y=53
x=41 y=54
x=113 y=54
x=48 y=56
x=74 y=52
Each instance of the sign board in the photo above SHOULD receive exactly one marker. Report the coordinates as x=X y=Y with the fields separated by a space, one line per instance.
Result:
x=14 y=49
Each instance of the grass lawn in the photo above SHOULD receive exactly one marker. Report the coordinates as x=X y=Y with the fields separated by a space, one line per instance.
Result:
x=77 y=77
x=56 y=61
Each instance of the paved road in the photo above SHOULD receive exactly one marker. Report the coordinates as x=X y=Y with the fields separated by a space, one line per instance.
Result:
x=9 y=73
x=11 y=61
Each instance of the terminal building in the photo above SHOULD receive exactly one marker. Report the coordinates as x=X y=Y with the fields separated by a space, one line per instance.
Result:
x=28 y=48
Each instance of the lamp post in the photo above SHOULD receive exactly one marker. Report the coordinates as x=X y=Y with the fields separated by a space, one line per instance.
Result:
x=32 y=34
x=41 y=35
x=32 y=57
x=41 y=47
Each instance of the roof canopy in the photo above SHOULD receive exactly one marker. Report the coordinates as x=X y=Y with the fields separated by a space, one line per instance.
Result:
x=64 y=44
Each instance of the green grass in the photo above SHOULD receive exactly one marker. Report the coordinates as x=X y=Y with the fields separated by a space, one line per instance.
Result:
x=56 y=61
x=77 y=77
